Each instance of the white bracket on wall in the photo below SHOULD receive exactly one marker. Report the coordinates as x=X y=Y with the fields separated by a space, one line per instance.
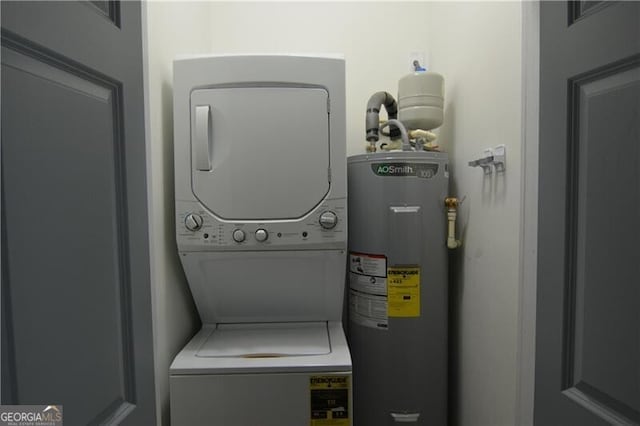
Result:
x=485 y=161
x=492 y=159
x=500 y=158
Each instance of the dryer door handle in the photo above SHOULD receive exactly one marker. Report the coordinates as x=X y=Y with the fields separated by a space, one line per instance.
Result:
x=202 y=138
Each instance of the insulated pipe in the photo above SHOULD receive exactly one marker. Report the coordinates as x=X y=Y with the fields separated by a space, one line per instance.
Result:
x=452 y=243
x=452 y=212
x=406 y=144
x=373 y=112
x=425 y=134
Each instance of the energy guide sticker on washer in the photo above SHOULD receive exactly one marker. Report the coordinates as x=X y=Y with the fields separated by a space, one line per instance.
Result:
x=329 y=400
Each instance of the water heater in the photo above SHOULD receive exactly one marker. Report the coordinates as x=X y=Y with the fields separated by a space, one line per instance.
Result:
x=398 y=298
x=398 y=287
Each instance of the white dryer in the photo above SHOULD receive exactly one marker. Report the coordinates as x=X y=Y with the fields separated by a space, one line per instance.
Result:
x=260 y=188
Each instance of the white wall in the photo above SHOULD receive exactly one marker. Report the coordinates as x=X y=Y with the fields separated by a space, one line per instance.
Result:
x=172 y=29
x=477 y=46
x=376 y=39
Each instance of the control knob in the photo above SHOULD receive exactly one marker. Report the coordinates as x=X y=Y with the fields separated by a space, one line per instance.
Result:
x=261 y=235
x=193 y=221
x=328 y=220
x=238 y=235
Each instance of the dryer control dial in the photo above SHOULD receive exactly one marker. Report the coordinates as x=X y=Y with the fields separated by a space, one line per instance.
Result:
x=328 y=220
x=193 y=222
x=261 y=235
x=238 y=235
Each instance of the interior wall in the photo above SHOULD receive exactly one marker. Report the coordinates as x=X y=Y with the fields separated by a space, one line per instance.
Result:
x=477 y=46
x=376 y=39
x=173 y=28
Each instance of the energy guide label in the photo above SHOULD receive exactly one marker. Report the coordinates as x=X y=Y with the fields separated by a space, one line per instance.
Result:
x=329 y=400
x=403 y=291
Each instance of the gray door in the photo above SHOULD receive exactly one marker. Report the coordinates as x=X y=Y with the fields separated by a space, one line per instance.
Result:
x=76 y=312
x=588 y=312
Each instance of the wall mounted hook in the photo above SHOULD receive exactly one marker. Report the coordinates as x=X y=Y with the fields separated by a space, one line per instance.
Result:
x=485 y=162
x=500 y=158
x=493 y=159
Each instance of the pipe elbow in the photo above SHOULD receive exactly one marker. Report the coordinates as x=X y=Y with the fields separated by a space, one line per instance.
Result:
x=452 y=243
x=372 y=120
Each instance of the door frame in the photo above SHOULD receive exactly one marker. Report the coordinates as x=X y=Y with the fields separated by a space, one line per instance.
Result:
x=160 y=382
x=526 y=351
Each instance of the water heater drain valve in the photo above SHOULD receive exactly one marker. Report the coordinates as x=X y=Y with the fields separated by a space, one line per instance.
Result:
x=452 y=212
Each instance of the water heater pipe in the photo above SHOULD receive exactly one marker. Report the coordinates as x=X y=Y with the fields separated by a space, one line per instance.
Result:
x=406 y=144
x=372 y=123
x=452 y=213
x=425 y=134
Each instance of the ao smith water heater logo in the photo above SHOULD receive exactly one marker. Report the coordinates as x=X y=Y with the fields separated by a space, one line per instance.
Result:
x=31 y=415
x=421 y=170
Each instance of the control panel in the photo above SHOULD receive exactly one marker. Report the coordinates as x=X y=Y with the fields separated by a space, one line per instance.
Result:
x=199 y=230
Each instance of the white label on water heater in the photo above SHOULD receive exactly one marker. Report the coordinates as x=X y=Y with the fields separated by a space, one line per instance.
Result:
x=368 y=310
x=368 y=284
x=368 y=264
x=368 y=290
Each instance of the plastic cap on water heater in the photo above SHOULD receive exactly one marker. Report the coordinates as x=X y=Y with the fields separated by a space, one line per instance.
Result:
x=421 y=100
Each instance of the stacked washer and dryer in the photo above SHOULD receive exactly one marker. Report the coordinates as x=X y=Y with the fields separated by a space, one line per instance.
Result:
x=261 y=228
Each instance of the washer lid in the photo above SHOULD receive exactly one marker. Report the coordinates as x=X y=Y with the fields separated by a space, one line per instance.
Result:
x=260 y=153
x=272 y=340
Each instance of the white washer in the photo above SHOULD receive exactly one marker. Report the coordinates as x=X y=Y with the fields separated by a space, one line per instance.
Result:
x=260 y=175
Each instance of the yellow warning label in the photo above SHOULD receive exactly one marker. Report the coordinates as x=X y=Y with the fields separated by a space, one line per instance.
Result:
x=403 y=291
x=329 y=400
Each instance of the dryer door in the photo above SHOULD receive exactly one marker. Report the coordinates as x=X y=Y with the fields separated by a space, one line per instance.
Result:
x=260 y=153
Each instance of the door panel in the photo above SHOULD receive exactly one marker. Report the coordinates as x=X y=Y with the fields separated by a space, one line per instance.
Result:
x=43 y=162
x=282 y=132
x=75 y=284
x=588 y=314
x=603 y=318
x=580 y=9
x=110 y=9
